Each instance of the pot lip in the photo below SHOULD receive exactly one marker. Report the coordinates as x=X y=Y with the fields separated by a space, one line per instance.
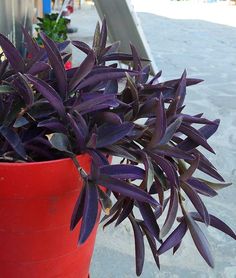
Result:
x=47 y=162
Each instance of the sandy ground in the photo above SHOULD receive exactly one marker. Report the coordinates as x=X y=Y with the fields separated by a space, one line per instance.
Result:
x=202 y=39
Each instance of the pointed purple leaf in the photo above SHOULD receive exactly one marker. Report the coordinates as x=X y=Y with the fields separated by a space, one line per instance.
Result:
x=126 y=189
x=216 y=223
x=195 y=136
x=53 y=125
x=14 y=140
x=196 y=201
x=108 y=134
x=200 y=240
x=149 y=219
x=139 y=246
x=82 y=46
x=170 y=131
x=78 y=209
x=160 y=125
x=201 y=187
x=83 y=70
x=56 y=61
x=122 y=171
x=174 y=238
x=167 y=167
x=49 y=93
x=127 y=209
x=172 y=212
x=12 y=54
x=104 y=76
x=38 y=67
x=90 y=211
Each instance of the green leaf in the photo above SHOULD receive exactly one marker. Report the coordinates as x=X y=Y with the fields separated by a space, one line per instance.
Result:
x=6 y=89
x=216 y=185
x=60 y=142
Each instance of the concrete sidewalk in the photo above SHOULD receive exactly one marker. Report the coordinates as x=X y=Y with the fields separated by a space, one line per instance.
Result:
x=207 y=50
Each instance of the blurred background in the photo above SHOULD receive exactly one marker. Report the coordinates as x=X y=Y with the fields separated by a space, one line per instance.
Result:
x=196 y=35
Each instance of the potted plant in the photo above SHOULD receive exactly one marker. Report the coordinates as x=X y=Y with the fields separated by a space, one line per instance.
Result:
x=58 y=131
x=56 y=28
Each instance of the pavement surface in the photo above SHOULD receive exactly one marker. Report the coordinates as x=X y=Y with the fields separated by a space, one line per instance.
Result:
x=202 y=39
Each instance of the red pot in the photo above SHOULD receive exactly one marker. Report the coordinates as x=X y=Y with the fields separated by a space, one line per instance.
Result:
x=36 y=203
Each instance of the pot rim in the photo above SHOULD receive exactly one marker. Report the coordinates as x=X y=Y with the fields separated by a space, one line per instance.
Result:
x=46 y=162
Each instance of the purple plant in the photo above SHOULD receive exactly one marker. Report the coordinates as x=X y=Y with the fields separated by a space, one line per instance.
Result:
x=48 y=113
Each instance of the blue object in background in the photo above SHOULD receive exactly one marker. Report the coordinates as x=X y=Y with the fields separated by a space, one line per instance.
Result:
x=46 y=6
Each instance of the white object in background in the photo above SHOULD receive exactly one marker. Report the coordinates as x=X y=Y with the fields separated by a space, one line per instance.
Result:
x=124 y=26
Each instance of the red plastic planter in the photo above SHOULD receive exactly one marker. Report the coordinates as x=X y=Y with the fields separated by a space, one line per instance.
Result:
x=36 y=203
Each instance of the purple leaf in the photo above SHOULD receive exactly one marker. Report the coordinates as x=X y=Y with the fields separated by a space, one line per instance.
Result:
x=53 y=125
x=104 y=76
x=113 y=48
x=170 y=131
x=121 y=151
x=170 y=151
x=127 y=209
x=108 y=134
x=116 y=208
x=136 y=60
x=31 y=44
x=111 y=87
x=3 y=67
x=195 y=120
x=208 y=130
x=121 y=171
x=160 y=126
x=80 y=139
x=216 y=223
x=155 y=78
x=105 y=201
x=215 y=185
x=200 y=240
x=82 y=46
x=49 y=93
x=167 y=167
x=201 y=187
x=24 y=89
x=98 y=157
x=181 y=90
x=172 y=212
x=83 y=70
x=90 y=211
x=139 y=246
x=149 y=219
x=120 y=56
x=113 y=218
x=39 y=67
x=176 y=247
x=152 y=244
x=189 y=172
x=126 y=189
x=14 y=140
x=96 y=103
x=12 y=54
x=134 y=95
x=204 y=167
x=103 y=35
x=57 y=64
x=205 y=131
x=195 y=136
x=109 y=117
x=174 y=238
x=78 y=209
x=196 y=201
